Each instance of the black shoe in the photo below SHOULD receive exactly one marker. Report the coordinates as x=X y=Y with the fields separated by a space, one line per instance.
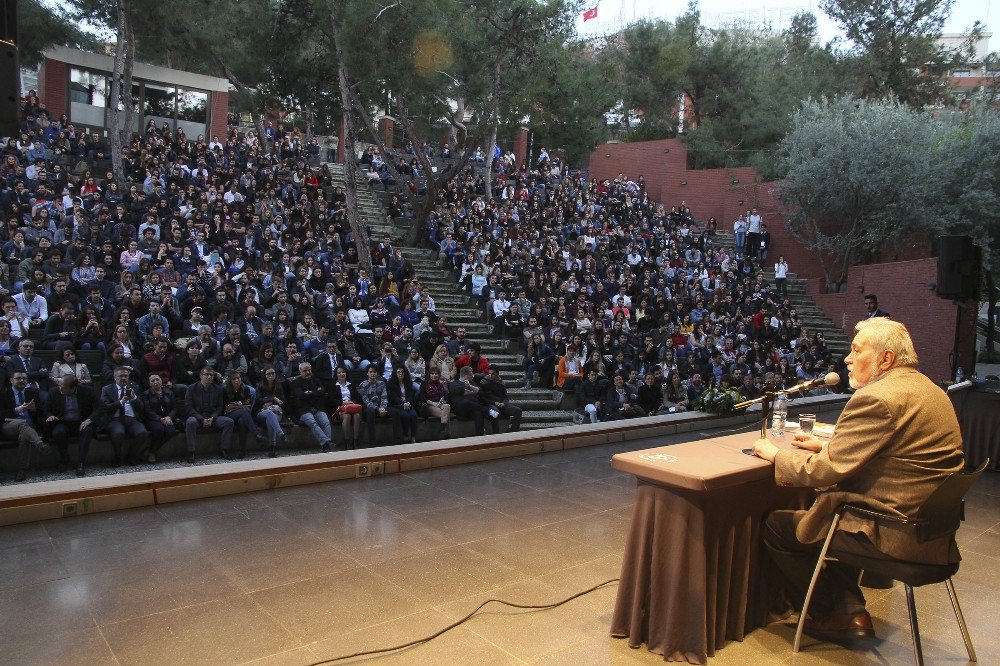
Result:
x=241 y=455
x=117 y=462
x=325 y=447
x=282 y=441
x=273 y=453
x=226 y=456
x=190 y=458
x=21 y=475
x=79 y=470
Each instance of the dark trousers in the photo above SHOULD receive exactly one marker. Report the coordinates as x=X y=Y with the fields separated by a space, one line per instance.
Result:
x=372 y=414
x=159 y=433
x=753 y=245
x=223 y=424
x=837 y=588
x=468 y=408
x=123 y=427
x=245 y=425
x=61 y=435
x=508 y=410
x=408 y=422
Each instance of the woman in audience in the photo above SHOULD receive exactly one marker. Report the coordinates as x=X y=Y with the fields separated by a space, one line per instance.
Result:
x=270 y=407
x=403 y=399
x=433 y=400
x=346 y=402
x=237 y=403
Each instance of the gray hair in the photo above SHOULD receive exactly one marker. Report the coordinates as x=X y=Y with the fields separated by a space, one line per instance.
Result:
x=885 y=334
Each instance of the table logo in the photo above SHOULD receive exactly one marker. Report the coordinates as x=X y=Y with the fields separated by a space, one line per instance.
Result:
x=659 y=457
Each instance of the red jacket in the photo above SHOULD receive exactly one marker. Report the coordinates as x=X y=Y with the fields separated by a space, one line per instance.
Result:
x=481 y=367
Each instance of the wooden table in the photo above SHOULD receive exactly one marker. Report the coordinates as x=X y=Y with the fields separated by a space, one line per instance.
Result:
x=694 y=576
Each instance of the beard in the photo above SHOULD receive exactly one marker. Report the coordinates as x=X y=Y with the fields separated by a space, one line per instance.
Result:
x=876 y=375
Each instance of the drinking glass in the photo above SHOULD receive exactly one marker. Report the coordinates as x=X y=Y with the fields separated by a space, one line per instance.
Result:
x=806 y=423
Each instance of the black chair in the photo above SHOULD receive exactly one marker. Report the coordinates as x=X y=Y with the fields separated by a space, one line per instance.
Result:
x=940 y=516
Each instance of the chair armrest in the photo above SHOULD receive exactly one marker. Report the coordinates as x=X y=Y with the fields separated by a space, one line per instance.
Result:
x=878 y=516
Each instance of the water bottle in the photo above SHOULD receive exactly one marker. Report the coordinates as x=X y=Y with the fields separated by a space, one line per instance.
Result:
x=779 y=415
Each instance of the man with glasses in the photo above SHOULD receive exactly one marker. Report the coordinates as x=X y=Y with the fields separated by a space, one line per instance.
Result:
x=309 y=399
x=21 y=409
x=72 y=410
x=122 y=405
x=205 y=403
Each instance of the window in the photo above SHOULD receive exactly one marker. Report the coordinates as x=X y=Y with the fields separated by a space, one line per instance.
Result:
x=159 y=103
x=88 y=88
x=192 y=106
x=961 y=73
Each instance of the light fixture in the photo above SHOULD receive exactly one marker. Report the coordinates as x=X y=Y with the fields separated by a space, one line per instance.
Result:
x=666 y=150
x=684 y=182
x=607 y=155
x=740 y=202
x=736 y=181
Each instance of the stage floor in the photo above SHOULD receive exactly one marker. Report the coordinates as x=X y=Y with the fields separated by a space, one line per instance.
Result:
x=297 y=575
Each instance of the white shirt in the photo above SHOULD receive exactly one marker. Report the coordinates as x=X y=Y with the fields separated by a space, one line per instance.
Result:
x=754 y=224
x=781 y=270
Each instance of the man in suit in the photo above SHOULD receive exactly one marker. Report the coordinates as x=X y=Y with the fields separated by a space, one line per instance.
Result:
x=205 y=403
x=896 y=441
x=871 y=307
x=72 y=408
x=24 y=361
x=325 y=364
x=21 y=410
x=121 y=404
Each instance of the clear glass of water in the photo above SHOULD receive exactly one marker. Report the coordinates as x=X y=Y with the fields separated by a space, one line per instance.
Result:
x=806 y=423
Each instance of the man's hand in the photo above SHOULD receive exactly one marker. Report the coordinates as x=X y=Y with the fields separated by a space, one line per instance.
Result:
x=807 y=442
x=166 y=420
x=765 y=449
x=208 y=422
x=30 y=405
x=53 y=418
x=84 y=424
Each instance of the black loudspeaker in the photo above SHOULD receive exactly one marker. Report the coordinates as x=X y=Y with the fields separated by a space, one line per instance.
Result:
x=959 y=264
x=10 y=84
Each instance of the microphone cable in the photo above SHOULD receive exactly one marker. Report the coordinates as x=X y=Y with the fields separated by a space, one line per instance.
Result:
x=426 y=639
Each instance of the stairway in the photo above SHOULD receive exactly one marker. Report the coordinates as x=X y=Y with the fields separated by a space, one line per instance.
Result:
x=541 y=405
x=813 y=318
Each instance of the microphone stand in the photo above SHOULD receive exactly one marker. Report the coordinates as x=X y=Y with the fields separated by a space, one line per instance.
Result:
x=766 y=401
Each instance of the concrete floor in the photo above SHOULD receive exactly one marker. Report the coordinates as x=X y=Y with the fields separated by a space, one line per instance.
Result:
x=303 y=574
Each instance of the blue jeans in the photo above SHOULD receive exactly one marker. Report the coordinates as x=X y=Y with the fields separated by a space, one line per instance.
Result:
x=350 y=365
x=319 y=423
x=272 y=421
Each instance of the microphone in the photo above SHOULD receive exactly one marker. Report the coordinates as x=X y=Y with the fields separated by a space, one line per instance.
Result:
x=829 y=379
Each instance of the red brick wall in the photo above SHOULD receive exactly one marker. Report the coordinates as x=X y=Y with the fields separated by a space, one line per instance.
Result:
x=901 y=286
x=707 y=192
x=904 y=291
x=52 y=93
x=521 y=146
x=218 y=114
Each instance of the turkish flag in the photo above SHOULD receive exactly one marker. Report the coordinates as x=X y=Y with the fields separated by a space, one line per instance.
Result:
x=590 y=14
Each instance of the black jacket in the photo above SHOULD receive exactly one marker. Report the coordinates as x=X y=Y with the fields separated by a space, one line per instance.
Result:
x=158 y=406
x=86 y=397
x=306 y=395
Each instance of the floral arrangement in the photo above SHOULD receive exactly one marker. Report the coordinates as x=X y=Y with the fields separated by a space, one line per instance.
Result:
x=716 y=400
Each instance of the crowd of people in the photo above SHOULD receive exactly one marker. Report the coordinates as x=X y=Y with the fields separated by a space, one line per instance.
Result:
x=221 y=287
x=635 y=308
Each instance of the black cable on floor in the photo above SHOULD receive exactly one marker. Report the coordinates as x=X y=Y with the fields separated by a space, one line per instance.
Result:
x=421 y=641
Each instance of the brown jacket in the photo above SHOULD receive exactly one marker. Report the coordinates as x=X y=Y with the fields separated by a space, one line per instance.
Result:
x=895 y=442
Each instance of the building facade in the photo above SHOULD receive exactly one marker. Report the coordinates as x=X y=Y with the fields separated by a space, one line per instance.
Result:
x=78 y=83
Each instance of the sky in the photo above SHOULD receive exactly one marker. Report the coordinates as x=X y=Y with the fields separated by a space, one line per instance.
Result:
x=613 y=14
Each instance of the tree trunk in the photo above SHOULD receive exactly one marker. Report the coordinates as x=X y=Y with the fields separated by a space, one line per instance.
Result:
x=490 y=149
x=991 y=315
x=114 y=114
x=358 y=227
x=128 y=67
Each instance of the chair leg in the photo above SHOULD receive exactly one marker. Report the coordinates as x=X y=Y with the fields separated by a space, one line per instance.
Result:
x=911 y=606
x=812 y=583
x=961 y=620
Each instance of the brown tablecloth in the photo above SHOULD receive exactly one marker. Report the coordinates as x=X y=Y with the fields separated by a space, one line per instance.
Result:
x=979 y=416
x=694 y=576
